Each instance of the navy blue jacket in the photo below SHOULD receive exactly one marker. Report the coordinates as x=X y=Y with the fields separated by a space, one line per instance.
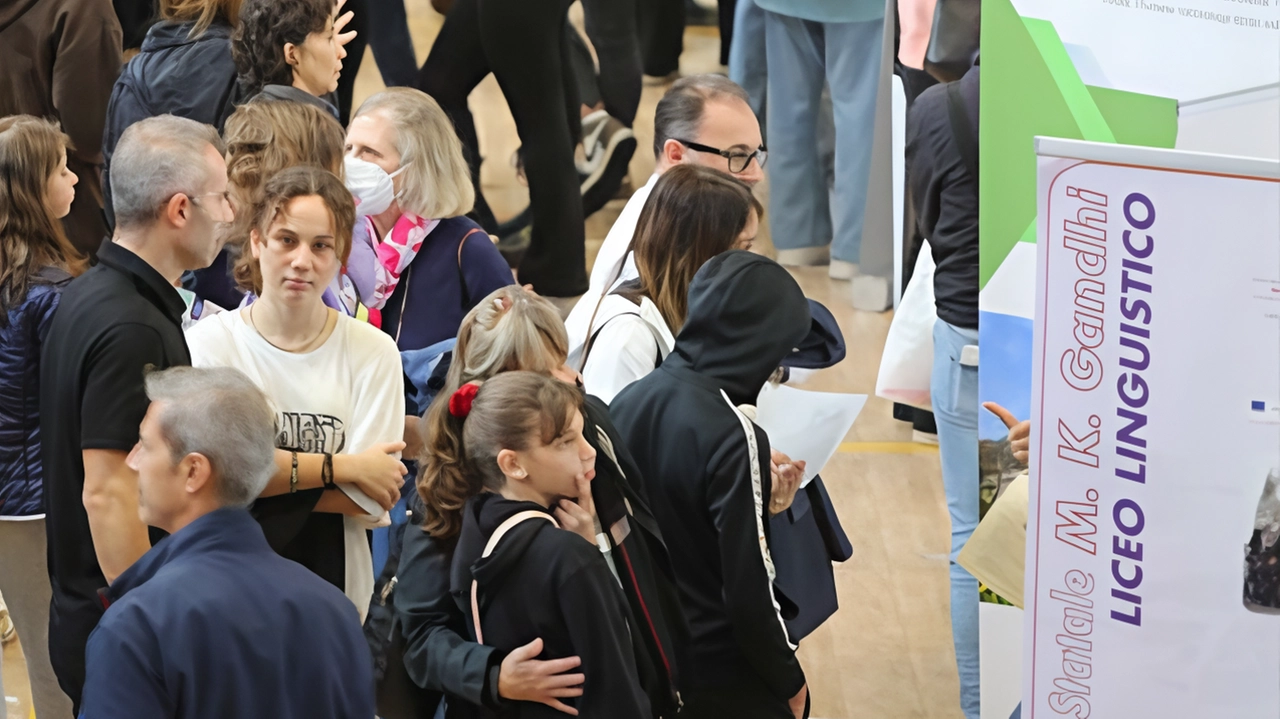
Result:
x=173 y=74
x=438 y=289
x=212 y=624
x=22 y=334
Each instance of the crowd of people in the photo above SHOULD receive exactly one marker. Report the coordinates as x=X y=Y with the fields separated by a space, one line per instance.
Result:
x=240 y=332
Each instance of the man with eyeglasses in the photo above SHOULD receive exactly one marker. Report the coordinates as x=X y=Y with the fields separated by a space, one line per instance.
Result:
x=703 y=119
x=169 y=184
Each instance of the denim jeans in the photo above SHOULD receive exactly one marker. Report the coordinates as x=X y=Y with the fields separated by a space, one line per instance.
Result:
x=747 y=64
x=802 y=55
x=954 y=392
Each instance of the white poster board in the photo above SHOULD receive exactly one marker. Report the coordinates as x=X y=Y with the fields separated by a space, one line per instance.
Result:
x=1155 y=423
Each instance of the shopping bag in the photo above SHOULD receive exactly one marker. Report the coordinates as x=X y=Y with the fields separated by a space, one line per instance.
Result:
x=907 y=361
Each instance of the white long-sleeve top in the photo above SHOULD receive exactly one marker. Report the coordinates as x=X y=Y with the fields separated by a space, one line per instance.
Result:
x=630 y=341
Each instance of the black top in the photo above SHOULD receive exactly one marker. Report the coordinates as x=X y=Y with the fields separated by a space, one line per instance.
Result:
x=945 y=194
x=553 y=584
x=440 y=657
x=114 y=322
x=746 y=314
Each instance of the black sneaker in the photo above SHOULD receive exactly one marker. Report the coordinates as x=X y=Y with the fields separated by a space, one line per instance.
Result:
x=610 y=145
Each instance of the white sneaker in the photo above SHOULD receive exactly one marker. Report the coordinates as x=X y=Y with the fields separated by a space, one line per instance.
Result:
x=805 y=256
x=842 y=270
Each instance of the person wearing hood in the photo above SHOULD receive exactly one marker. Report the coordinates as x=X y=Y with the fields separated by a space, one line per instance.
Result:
x=60 y=58
x=708 y=466
x=521 y=440
x=211 y=623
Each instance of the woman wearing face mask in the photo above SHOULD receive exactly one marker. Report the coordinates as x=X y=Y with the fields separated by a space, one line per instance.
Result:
x=694 y=214
x=288 y=50
x=336 y=382
x=513 y=329
x=37 y=262
x=405 y=168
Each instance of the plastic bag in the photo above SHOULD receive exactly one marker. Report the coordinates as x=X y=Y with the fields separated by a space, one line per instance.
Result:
x=907 y=362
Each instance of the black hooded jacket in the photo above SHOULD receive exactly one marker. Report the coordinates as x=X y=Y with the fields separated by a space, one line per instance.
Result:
x=543 y=582
x=681 y=424
x=439 y=655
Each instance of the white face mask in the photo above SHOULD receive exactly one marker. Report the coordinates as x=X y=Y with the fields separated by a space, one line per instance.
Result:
x=371 y=186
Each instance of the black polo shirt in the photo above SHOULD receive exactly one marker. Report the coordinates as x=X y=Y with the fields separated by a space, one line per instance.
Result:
x=113 y=322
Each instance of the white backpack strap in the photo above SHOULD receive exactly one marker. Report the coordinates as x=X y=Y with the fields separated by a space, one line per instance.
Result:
x=757 y=492
x=496 y=537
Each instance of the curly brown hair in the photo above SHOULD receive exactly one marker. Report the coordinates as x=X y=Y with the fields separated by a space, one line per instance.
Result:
x=266 y=26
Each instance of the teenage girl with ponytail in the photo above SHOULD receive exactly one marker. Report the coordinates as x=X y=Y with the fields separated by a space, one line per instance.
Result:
x=514 y=329
x=521 y=445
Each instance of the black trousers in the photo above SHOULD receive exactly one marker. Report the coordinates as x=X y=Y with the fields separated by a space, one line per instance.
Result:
x=661 y=27
x=744 y=701
x=611 y=27
x=725 y=10
x=522 y=42
x=355 y=55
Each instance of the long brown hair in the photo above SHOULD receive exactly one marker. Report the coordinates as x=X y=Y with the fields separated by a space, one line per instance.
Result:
x=510 y=411
x=202 y=13
x=511 y=329
x=694 y=214
x=263 y=138
x=31 y=237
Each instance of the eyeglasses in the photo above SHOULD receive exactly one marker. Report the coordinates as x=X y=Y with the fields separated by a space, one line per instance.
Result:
x=226 y=199
x=738 y=161
x=225 y=195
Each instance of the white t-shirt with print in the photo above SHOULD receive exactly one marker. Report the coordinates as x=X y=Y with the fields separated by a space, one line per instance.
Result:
x=342 y=397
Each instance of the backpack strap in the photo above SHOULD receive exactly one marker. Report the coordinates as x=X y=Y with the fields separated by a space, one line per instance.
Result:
x=462 y=279
x=757 y=491
x=496 y=537
x=961 y=130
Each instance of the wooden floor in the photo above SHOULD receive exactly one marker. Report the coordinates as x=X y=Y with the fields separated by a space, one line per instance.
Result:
x=887 y=653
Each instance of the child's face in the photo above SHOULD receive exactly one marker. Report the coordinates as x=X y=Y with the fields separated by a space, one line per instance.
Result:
x=553 y=469
x=299 y=255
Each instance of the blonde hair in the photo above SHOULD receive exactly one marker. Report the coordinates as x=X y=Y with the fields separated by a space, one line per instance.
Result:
x=201 y=12
x=263 y=138
x=511 y=329
x=436 y=182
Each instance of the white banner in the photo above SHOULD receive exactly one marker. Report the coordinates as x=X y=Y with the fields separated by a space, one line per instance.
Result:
x=1156 y=418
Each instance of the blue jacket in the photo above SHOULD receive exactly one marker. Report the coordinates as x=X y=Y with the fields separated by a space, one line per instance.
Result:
x=21 y=337
x=212 y=624
x=442 y=283
x=173 y=74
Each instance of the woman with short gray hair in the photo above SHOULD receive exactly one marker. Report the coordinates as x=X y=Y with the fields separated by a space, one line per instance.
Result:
x=406 y=169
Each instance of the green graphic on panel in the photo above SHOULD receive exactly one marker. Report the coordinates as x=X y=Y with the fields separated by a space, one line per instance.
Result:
x=1030 y=87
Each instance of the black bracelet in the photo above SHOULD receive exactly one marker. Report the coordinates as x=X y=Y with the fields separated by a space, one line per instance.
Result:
x=293 y=472
x=326 y=472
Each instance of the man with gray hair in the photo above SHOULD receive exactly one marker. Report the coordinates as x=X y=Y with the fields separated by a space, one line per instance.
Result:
x=169 y=186
x=212 y=623
x=703 y=119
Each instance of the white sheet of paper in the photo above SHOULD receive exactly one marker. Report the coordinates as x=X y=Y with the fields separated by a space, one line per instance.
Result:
x=807 y=425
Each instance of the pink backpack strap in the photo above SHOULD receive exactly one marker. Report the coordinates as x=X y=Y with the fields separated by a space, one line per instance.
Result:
x=498 y=533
